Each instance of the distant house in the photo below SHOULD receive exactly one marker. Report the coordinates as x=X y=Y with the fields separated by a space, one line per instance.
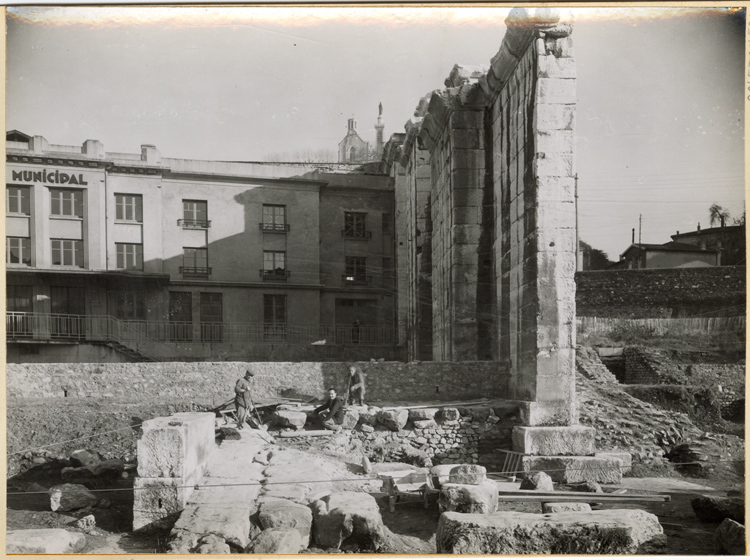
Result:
x=668 y=255
x=729 y=241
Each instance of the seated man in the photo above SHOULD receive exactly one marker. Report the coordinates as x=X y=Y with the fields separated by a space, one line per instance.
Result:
x=335 y=416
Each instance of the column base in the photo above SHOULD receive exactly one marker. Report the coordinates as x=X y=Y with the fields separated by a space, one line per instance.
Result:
x=571 y=470
x=554 y=440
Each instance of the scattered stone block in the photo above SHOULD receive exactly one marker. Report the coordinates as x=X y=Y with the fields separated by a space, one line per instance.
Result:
x=366 y=466
x=351 y=417
x=588 y=486
x=366 y=428
x=710 y=509
x=350 y=516
x=730 y=538
x=422 y=413
x=211 y=544
x=231 y=523
x=477 y=413
x=394 y=419
x=468 y=498
x=558 y=507
x=554 y=440
x=467 y=474
x=538 y=481
x=598 y=532
x=85 y=458
x=86 y=523
x=441 y=474
x=276 y=541
x=294 y=492
x=449 y=414
x=571 y=470
x=229 y=433
x=290 y=419
x=424 y=424
x=44 y=541
x=67 y=497
x=285 y=514
x=76 y=474
x=370 y=417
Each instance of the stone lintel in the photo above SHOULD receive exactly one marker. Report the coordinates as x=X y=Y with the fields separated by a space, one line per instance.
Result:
x=576 y=469
x=554 y=440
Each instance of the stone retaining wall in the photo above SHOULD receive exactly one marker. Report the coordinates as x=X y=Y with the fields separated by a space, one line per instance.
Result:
x=213 y=383
x=667 y=292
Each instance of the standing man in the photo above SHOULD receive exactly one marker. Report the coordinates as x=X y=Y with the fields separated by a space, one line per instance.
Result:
x=242 y=400
x=335 y=416
x=356 y=385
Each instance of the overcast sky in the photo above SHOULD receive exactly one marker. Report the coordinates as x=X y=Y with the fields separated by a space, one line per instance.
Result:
x=660 y=91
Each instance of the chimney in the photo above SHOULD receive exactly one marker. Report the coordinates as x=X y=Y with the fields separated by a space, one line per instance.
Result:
x=379 y=126
x=699 y=226
x=632 y=240
x=678 y=232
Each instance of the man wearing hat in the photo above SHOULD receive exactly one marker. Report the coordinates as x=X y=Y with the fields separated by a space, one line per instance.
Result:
x=242 y=400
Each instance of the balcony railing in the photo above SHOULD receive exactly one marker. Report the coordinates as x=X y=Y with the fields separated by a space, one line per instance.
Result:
x=274 y=228
x=45 y=327
x=194 y=224
x=353 y=234
x=276 y=275
x=195 y=271
x=80 y=328
x=356 y=279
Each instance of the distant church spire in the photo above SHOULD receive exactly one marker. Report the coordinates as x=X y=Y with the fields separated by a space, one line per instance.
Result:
x=379 y=126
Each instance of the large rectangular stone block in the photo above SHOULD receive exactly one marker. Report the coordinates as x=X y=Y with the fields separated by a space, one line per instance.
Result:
x=554 y=440
x=175 y=446
x=554 y=164
x=576 y=469
x=553 y=116
x=549 y=413
x=552 y=67
x=611 y=531
x=156 y=501
x=554 y=141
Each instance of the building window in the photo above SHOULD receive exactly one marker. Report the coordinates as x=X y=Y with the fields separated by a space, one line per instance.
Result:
x=274 y=218
x=195 y=261
x=212 y=328
x=194 y=214
x=66 y=202
x=18 y=250
x=354 y=225
x=17 y=200
x=274 y=317
x=129 y=256
x=274 y=265
x=67 y=252
x=129 y=305
x=356 y=270
x=129 y=207
x=181 y=316
x=387 y=267
x=387 y=223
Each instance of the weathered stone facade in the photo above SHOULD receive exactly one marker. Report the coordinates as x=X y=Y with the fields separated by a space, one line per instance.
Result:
x=501 y=214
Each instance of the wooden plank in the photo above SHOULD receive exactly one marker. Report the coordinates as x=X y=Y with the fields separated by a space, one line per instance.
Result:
x=305 y=433
x=440 y=405
x=588 y=497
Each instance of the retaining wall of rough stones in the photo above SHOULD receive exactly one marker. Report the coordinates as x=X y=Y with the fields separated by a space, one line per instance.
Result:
x=213 y=383
x=667 y=292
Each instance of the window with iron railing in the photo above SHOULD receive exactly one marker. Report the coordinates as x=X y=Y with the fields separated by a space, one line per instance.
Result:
x=274 y=265
x=17 y=200
x=194 y=215
x=274 y=218
x=195 y=262
x=274 y=317
x=355 y=225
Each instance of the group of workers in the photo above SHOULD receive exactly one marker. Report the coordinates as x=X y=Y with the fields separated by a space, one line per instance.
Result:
x=330 y=414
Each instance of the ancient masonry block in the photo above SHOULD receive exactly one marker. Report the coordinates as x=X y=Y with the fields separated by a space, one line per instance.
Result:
x=554 y=440
x=172 y=456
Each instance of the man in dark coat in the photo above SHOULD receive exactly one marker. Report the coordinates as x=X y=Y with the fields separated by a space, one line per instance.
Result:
x=332 y=419
x=356 y=386
x=242 y=400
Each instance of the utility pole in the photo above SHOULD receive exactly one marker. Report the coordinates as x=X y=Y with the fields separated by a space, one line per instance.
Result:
x=640 y=219
x=579 y=264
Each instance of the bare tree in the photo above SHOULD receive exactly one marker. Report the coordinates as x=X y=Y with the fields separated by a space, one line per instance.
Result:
x=718 y=214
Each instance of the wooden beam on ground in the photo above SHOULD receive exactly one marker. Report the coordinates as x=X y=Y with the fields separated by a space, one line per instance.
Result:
x=441 y=404
x=305 y=433
x=588 y=497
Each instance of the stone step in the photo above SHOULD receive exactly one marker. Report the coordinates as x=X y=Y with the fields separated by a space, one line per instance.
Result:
x=572 y=469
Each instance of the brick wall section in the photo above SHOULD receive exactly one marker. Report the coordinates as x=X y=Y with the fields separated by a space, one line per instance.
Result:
x=672 y=292
x=213 y=383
